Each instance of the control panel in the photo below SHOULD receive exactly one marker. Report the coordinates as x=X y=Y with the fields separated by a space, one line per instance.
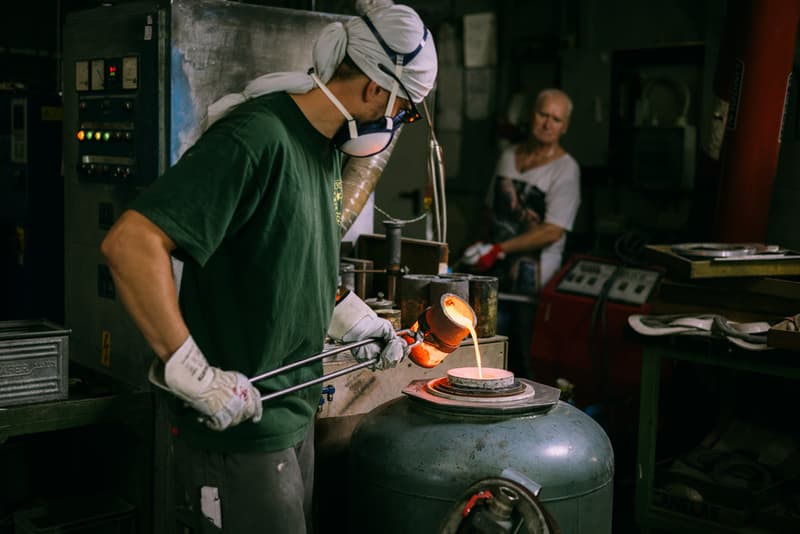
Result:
x=629 y=285
x=116 y=134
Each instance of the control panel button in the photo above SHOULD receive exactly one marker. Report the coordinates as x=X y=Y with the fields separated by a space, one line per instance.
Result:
x=589 y=278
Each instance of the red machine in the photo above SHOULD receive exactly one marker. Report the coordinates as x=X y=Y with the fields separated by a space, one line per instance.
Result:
x=580 y=333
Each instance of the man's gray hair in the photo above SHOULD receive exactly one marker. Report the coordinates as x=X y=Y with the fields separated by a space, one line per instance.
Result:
x=557 y=93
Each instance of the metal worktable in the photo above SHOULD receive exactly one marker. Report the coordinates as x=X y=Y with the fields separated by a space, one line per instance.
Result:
x=703 y=351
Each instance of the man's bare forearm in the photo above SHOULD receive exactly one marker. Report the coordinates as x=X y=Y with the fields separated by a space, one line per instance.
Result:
x=534 y=239
x=138 y=254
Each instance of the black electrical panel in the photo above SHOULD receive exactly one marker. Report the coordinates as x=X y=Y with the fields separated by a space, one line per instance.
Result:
x=31 y=206
x=115 y=109
x=117 y=129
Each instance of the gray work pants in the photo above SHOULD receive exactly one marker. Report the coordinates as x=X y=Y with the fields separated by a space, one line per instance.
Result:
x=249 y=493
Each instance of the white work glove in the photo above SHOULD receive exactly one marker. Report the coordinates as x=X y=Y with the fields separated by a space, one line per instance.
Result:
x=354 y=321
x=226 y=398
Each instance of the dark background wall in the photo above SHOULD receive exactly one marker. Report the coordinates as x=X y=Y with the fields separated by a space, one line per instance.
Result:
x=616 y=58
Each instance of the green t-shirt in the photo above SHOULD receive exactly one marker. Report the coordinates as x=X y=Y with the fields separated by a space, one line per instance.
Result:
x=253 y=208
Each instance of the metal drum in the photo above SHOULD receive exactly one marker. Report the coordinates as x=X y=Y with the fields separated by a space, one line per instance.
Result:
x=414 y=297
x=483 y=299
x=451 y=284
x=412 y=459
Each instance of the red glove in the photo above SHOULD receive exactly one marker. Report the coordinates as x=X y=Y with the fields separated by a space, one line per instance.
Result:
x=486 y=261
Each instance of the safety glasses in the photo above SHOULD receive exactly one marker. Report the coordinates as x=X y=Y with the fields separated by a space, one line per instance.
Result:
x=406 y=116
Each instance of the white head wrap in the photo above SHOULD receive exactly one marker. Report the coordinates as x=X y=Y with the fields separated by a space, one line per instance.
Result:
x=399 y=26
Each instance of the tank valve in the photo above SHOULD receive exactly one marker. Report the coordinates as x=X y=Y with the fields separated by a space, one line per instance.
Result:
x=495 y=517
x=326 y=393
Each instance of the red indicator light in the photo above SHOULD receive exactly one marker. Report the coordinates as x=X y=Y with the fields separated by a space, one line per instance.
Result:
x=81 y=135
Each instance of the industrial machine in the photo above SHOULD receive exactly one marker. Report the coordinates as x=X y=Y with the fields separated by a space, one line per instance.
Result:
x=579 y=331
x=31 y=205
x=114 y=143
x=489 y=453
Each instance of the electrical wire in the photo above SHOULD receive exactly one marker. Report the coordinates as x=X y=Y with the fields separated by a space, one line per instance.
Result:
x=628 y=249
x=436 y=175
x=630 y=246
x=395 y=219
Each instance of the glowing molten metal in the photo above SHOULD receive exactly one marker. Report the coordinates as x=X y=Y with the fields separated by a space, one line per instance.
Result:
x=443 y=326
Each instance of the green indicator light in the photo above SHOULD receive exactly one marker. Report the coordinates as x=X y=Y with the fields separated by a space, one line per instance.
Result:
x=106 y=136
x=89 y=135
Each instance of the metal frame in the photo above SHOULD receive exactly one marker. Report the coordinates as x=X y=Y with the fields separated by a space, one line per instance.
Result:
x=711 y=352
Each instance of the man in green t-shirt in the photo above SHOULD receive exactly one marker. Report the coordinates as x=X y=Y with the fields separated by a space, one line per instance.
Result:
x=251 y=209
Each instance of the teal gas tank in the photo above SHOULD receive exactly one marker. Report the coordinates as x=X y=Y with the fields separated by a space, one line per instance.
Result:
x=414 y=461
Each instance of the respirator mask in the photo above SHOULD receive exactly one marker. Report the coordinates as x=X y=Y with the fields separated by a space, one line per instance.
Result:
x=367 y=139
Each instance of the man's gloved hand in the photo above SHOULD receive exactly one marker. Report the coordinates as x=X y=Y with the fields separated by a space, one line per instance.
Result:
x=489 y=258
x=474 y=252
x=353 y=321
x=226 y=398
x=482 y=256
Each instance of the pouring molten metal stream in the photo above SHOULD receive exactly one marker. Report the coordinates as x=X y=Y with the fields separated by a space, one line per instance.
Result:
x=443 y=327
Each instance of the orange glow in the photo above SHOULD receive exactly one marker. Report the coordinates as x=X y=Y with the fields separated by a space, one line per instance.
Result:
x=472 y=373
x=443 y=327
x=425 y=355
x=81 y=135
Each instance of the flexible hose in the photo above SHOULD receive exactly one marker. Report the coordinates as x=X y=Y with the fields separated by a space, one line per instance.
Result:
x=359 y=178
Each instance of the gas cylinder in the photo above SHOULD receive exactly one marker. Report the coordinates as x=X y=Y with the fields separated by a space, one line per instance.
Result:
x=413 y=458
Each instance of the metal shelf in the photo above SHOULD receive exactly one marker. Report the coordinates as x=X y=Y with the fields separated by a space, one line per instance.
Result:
x=704 y=351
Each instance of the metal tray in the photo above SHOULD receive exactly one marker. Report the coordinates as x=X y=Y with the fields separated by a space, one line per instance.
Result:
x=34 y=361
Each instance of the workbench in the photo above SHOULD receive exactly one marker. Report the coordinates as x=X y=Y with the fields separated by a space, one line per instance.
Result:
x=97 y=441
x=719 y=354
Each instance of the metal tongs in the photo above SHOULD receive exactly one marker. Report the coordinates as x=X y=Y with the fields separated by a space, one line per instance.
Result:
x=156 y=372
x=324 y=354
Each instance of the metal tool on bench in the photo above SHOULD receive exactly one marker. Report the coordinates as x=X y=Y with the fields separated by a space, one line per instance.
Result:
x=436 y=334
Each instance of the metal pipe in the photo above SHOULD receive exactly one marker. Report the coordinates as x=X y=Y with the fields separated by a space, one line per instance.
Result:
x=758 y=58
x=436 y=175
x=394 y=245
x=439 y=164
x=437 y=222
